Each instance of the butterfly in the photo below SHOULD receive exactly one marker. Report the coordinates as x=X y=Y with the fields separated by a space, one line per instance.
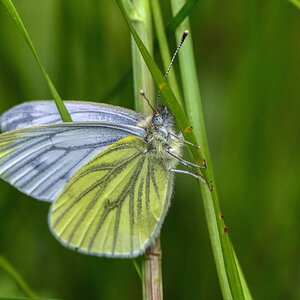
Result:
x=108 y=175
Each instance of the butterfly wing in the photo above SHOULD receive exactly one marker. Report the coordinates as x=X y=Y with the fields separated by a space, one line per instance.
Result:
x=36 y=113
x=115 y=205
x=39 y=161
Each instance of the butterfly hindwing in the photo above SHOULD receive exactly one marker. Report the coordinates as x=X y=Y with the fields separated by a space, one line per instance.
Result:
x=114 y=205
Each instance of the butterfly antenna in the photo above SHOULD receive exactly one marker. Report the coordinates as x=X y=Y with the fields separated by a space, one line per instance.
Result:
x=143 y=94
x=186 y=32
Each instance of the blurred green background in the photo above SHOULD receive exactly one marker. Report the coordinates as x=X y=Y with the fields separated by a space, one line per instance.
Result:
x=248 y=58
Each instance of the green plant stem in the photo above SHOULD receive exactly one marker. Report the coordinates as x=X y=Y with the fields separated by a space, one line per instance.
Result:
x=195 y=115
x=169 y=29
x=152 y=274
x=164 y=47
x=4 y=264
x=230 y=277
x=140 y=16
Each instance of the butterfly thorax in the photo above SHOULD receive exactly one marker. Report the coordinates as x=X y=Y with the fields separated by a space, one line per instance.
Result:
x=159 y=129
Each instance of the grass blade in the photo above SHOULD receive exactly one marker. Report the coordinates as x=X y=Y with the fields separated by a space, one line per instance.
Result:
x=296 y=3
x=169 y=29
x=180 y=16
x=229 y=276
x=17 y=278
x=164 y=47
x=17 y=20
x=137 y=268
x=245 y=287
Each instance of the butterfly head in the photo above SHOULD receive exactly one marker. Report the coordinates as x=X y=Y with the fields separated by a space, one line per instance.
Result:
x=161 y=116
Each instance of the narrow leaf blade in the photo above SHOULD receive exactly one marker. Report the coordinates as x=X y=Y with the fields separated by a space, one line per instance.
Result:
x=17 y=20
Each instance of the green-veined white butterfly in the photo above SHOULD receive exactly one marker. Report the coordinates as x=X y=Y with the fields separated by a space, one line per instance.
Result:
x=108 y=174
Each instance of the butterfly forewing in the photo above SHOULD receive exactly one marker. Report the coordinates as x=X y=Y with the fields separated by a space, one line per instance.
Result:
x=40 y=160
x=115 y=204
x=36 y=113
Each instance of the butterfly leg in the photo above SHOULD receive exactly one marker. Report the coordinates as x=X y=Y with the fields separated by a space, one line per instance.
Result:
x=185 y=162
x=198 y=176
x=183 y=140
x=189 y=165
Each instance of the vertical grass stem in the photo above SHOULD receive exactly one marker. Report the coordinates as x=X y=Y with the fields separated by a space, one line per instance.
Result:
x=231 y=279
x=140 y=16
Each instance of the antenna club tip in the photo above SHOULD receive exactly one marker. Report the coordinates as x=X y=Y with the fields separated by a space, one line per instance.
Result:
x=142 y=92
x=185 y=33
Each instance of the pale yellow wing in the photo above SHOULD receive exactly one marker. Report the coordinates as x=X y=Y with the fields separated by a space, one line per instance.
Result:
x=114 y=205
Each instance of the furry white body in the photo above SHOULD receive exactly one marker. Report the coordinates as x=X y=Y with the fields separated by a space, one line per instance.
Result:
x=160 y=138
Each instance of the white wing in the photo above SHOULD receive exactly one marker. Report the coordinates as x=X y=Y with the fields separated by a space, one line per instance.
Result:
x=39 y=161
x=36 y=113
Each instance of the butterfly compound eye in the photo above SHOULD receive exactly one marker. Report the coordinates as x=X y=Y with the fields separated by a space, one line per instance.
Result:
x=158 y=120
